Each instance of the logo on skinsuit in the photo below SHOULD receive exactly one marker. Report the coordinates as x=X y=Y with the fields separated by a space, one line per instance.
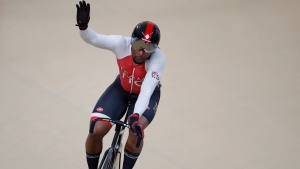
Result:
x=131 y=78
x=155 y=107
x=99 y=109
x=155 y=75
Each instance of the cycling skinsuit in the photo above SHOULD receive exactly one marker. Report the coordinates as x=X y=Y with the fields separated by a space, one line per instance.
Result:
x=138 y=83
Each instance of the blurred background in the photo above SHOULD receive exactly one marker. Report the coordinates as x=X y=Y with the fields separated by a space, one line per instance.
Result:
x=231 y=84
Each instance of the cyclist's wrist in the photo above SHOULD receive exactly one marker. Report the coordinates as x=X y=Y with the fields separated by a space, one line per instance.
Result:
x=133 y=118
x=136 y=115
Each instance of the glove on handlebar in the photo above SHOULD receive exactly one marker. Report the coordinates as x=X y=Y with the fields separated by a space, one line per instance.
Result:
x=136 y=127
x=83 y=15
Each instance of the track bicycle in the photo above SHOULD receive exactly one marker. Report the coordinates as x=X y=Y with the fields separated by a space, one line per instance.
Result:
x=112 y=157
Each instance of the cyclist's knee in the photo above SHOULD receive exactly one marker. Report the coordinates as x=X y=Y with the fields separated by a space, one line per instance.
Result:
x=100 y=130
x=131 y=143
x=132 y=138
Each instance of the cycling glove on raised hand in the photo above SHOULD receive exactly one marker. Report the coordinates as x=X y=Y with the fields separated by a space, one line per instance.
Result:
x=136 y=127
x=83 y=15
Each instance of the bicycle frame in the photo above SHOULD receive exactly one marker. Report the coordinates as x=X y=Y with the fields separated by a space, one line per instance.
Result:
x=117 y=144
x=112 y=156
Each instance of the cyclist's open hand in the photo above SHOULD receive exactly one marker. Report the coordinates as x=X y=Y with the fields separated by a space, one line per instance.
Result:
x=136 y=127
x=83 y=15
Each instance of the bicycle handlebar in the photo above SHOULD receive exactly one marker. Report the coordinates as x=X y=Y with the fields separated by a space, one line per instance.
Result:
x=118 y=123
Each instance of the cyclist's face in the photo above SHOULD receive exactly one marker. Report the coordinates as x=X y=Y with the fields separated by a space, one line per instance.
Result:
x=139 y=55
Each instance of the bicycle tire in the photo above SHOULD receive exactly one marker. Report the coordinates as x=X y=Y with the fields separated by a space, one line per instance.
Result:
x=107 y=160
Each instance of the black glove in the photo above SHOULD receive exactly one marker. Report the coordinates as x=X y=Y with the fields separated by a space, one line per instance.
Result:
x=135 y=126
x=83 y=15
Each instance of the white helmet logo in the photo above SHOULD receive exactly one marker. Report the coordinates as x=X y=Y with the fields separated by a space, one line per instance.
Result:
x=147 y=36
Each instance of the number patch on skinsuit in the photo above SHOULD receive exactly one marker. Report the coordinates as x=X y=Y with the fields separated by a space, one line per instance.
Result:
x=155 y=75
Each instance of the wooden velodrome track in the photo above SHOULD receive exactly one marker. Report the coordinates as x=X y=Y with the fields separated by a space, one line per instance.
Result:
x=231 y=85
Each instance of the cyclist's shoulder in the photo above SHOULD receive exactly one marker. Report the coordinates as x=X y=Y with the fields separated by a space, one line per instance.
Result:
x=158 y=56
x=157 y=61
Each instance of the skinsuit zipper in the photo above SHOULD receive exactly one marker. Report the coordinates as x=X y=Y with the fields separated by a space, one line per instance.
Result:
x=132 y=79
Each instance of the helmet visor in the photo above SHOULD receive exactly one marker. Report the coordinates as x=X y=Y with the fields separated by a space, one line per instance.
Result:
x=146 y=46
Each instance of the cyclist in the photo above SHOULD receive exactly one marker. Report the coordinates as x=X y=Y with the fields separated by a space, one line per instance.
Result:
x=140 y=63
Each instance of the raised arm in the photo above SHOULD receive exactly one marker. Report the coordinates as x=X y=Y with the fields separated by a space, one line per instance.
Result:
x=114 y=43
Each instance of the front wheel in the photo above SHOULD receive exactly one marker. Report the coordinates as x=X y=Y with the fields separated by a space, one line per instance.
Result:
x=107 y=161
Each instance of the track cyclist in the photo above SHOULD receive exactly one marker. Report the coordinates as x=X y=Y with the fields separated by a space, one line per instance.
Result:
x=141 y=63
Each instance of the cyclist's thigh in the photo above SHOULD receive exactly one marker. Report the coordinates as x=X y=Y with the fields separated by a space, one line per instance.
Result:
x=152 y=107
x=111 y=104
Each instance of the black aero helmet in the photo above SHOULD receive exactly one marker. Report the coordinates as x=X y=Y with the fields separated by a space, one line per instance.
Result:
x=147 y=31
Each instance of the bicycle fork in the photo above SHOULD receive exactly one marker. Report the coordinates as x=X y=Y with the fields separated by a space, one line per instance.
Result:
x=118 y=146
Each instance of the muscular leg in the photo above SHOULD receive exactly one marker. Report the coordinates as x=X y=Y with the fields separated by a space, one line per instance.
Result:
x=131 y=152
x=93 y=144
x=132 y=139
x=105 y=107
